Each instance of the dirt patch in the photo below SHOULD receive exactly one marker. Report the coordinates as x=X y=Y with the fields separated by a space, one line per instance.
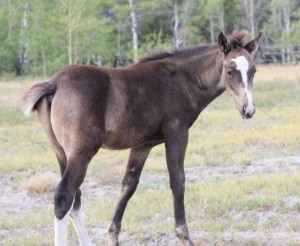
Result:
x=229 y=237
x=213 y=173
x=266 y=166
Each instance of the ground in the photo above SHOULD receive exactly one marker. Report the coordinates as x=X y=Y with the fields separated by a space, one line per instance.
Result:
x=92 y=189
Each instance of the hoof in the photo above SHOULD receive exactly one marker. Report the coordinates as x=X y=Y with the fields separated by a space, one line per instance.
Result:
x=113 y=234
x=183 y=235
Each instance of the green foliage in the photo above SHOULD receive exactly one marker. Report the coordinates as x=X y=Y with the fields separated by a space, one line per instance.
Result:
x=52 y=34
x=295 y=28
x=232 y=16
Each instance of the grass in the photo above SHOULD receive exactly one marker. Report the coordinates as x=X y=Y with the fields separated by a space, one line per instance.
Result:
x=214 y=207
x=219 y=137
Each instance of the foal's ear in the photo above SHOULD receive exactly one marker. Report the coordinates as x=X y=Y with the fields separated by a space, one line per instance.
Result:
x=253 y=44
x=223 y=43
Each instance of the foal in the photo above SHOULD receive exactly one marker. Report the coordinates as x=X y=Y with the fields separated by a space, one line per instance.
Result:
x=156 y=100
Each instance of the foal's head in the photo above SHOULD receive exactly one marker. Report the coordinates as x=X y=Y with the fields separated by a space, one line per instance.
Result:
x=239 y=70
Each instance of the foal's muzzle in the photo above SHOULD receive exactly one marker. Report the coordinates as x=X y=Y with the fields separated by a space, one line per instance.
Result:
x=248 y=111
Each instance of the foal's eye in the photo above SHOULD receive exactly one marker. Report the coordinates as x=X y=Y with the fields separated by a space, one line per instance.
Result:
x=229 y=73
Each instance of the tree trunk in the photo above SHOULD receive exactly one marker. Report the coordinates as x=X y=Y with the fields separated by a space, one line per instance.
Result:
x=119 y=42
x=221 y=18
x=211 y=27
x=23 y=56
x=176 y=24
x=286 y=11
x=70 y=33
x=75 y=48
x=134 y=30
x=10 y=25
x=248 y=5
x=252 y=28
x=9 y=31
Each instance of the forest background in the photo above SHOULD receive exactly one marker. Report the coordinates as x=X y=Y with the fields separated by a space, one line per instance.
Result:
x=37 y=38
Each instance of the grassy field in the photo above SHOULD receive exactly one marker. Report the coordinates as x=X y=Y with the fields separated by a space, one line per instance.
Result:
x=254 y=199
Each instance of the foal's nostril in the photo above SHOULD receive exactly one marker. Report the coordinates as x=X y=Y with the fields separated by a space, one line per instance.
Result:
x=244 y=109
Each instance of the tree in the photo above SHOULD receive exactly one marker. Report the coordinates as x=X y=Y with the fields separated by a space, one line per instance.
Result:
x=10 y=31
x=254 y=15
x=278 y=28
x=134 y=30
x=39 y=37
x=214 y=10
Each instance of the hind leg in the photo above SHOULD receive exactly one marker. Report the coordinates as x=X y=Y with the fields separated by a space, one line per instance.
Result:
x=76 y=212
x=77 y=218
x=67 y=197
x=43 y=108
x=130 y=181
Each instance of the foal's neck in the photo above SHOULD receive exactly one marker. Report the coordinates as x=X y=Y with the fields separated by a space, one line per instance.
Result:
x=203 y=73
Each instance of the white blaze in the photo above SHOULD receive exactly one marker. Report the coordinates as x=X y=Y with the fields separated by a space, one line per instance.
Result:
x=243 y=65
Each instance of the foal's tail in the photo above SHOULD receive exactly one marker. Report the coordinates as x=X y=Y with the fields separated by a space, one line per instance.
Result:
x=35 y=93
x=39 y=98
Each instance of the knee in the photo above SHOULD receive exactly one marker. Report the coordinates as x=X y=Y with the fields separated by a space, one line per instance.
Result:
x=178 y=186
x=132 y=178
x=63 y=201
x=130 y=182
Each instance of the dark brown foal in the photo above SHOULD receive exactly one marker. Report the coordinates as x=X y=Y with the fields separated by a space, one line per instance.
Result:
x=154 y=101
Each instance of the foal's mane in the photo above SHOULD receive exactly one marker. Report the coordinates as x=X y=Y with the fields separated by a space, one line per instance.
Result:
x=175 y=53
x=236 y=41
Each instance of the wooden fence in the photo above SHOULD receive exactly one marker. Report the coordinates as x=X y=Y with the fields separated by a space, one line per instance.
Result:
x=278 y=54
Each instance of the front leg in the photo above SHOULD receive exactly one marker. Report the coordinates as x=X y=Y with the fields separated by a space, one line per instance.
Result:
x=130 y=181
x=176 y=139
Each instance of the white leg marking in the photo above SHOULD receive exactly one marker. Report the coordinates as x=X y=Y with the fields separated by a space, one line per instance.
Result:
x=77 y=218
x=61 y=229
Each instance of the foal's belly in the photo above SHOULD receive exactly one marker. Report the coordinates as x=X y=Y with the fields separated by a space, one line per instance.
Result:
x=131 y=138
x=132 y=126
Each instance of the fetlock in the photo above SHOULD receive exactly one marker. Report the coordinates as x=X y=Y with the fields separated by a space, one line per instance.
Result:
x=63 y=201
x=113 y=232
x=183 y=235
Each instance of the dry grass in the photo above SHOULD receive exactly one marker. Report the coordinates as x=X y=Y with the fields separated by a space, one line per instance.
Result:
x=14 y=91
x=276 y=73
x=41 y=183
